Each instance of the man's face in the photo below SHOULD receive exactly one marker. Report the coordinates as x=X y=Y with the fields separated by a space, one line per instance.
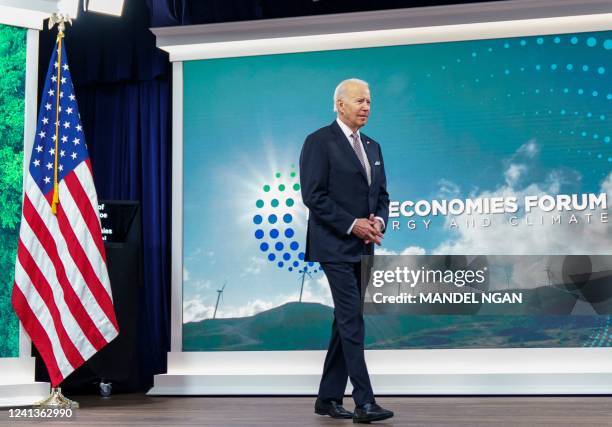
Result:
x=354 y=107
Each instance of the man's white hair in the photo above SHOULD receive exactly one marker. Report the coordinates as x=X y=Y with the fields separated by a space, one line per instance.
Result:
x=340 y=91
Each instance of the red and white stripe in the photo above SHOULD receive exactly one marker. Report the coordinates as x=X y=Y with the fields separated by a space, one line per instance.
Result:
x=62 y=292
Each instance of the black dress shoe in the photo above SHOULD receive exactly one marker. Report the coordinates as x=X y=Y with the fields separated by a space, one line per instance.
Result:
x=370 y=412
x=332 y=408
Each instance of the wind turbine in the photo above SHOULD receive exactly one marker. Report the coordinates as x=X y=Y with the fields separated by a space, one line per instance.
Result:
x=549 y=275
x=304 y=274
x=508 y=269
x=219 y=295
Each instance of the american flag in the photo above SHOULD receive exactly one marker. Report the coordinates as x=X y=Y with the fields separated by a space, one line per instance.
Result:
x=62 y=293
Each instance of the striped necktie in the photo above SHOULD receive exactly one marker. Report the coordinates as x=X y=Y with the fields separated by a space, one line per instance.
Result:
x=357 y=149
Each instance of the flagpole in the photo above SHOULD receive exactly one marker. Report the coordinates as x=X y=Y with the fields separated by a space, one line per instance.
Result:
x=56 y=399
x=60 y=20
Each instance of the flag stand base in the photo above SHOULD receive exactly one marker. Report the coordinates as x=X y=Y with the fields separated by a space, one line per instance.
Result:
x=57 y=400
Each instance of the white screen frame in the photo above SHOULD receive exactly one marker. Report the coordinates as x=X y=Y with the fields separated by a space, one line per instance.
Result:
x=489 y=371
x=29 y=131
x=17 y=383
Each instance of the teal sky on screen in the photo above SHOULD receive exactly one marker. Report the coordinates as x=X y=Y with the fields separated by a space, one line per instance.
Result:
x=451 y=119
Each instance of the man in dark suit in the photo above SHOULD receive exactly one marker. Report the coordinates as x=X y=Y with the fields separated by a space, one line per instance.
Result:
x=343 y=182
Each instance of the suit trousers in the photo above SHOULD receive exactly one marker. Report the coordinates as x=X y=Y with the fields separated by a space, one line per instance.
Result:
x=345 y=354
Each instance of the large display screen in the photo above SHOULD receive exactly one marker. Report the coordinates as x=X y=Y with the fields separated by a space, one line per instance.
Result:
x=12 y=110
x=526 y=118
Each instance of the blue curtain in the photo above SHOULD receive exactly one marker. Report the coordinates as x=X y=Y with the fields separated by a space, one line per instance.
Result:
x=130 y=148
x=123 y=88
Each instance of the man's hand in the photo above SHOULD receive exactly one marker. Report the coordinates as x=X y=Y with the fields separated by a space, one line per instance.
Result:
x=366 y=231
x=377 y=225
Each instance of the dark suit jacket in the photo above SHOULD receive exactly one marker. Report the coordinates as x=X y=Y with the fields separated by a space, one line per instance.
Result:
x=335 y=190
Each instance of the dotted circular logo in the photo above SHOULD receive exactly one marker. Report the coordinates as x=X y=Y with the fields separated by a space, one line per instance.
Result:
x=279 y=219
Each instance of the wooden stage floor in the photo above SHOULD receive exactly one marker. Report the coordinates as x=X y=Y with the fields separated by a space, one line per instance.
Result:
x=142 y=410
